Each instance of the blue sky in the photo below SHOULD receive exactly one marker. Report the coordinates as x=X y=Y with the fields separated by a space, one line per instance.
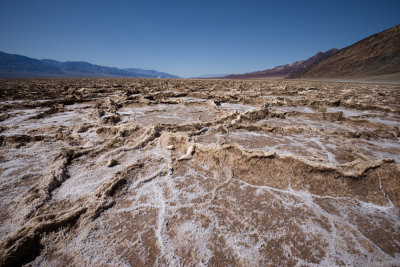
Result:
x=188 y=38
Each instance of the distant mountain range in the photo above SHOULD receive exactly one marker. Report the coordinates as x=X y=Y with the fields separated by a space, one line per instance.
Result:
x=209 y=76
x=376 y=55
x=284 y=70
x=17 y=66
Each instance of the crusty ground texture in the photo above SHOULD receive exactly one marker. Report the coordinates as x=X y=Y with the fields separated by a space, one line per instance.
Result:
x=199 y=173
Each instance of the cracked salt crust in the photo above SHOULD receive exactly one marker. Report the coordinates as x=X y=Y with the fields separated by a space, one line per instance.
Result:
x=244 y=185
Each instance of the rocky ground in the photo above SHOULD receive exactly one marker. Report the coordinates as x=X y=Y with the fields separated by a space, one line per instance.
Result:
x=199 y=172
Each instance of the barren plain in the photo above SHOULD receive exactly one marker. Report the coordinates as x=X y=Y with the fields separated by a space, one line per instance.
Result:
x=149 y=172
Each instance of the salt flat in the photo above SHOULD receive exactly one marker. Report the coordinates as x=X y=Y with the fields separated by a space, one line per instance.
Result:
x=199 y=172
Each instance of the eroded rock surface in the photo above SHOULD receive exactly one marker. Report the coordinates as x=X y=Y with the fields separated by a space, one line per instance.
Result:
x=199 y=172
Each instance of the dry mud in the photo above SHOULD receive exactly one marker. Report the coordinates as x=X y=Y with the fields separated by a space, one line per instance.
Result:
x=199 y=173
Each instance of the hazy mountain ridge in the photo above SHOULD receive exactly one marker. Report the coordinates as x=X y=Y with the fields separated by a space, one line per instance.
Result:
x=378 y=54
x=149 y=73
x=210 y=75
x=285 y=70
x=375 y=55
x=17 y=66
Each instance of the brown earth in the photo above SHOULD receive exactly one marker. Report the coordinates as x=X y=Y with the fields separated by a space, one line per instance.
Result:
x=199 y=172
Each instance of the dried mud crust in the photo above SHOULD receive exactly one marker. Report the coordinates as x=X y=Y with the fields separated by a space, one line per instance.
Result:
x=199 y=172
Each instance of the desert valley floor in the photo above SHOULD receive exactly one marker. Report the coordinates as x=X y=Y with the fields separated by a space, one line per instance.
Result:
x=199 y=173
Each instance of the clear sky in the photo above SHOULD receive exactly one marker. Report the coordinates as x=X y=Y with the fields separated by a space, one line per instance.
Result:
x=188 y=38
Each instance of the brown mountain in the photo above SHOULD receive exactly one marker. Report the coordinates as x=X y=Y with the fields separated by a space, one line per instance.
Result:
x=285 y=70
x=375 y=55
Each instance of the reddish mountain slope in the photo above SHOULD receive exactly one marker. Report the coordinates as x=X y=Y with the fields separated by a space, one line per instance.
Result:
x=375 y=55
x=285 y=70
